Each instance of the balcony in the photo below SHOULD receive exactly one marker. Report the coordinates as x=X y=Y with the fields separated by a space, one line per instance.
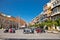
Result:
x=56 y=3
x=55 y=11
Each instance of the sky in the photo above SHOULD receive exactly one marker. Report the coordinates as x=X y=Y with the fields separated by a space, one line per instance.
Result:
x=25 y=9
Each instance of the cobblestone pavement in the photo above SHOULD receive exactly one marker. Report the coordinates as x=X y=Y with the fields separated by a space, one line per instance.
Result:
x=20 y=35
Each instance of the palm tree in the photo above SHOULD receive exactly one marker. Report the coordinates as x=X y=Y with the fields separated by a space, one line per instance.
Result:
x=42 y=25
x=54 y=24
x=36 y=25
x=58 y=21
x=49 y=24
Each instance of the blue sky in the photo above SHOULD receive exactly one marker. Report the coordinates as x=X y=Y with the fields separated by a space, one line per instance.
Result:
x=26 y=9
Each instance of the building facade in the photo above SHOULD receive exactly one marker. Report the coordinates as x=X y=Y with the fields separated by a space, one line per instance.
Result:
x=55 y=10
x=50 y=11
x=37 y=19
x=10 y=21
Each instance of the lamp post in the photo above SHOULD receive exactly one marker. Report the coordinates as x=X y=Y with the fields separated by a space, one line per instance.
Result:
x=18 y=22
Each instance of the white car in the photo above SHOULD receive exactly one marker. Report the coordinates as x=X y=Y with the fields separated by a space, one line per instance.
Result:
x=28 y=30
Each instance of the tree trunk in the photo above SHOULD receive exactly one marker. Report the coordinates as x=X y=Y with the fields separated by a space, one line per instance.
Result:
x=49 y=28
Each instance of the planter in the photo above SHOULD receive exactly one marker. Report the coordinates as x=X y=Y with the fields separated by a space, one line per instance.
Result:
x=49 y=31
x=55 y=32
x=58 y=28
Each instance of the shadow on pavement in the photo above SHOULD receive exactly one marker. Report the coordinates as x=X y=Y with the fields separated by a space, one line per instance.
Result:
x=29 y=39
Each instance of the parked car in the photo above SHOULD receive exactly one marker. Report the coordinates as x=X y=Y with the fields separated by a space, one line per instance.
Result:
x=39 y=30
x=42 y=31
x=6 y=30
x=12 y=30
x=28 y=30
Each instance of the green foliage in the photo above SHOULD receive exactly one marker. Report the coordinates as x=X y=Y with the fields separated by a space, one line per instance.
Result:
x=42 y=24
x=48 y=23
x=36 y=25
x=58 y=21
x=55 y=23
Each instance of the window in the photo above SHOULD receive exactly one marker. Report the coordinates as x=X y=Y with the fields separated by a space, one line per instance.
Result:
x=59 y=9
x=58 y=1
x=55 y=10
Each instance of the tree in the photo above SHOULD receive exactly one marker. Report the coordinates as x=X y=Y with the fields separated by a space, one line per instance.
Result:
x=48 y=23
x=42 y=24
x=58 y=21
x=54 y=23
x=36 y=25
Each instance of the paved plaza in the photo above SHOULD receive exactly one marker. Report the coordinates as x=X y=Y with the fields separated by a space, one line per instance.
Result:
x=20 y=35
